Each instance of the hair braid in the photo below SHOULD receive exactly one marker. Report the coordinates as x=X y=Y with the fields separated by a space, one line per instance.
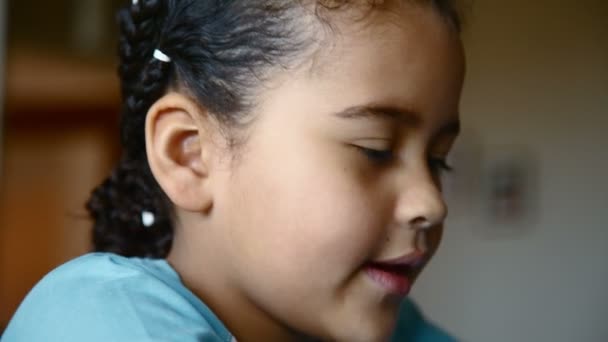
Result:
x=118 y=203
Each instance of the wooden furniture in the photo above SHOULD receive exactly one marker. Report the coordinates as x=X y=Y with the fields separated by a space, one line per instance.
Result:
x=60 y=140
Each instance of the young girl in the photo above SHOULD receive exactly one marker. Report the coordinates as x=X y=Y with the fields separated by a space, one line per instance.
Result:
x=280 y=178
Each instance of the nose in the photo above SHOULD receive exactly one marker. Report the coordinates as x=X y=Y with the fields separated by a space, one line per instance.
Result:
x=420 y=204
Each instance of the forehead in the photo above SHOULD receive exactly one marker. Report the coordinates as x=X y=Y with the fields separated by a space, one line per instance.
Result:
x=406 y=57
x=403 y=51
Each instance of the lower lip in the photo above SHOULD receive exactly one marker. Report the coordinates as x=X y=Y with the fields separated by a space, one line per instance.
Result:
x=394 y=283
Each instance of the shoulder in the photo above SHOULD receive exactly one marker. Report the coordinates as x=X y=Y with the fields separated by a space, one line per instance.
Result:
x=412 y=326
x=106 y=297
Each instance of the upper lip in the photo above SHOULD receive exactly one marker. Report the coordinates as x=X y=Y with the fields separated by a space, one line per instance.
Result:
x=415 y=258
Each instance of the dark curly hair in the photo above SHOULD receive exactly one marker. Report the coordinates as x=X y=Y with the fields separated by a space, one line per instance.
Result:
x=219 y=51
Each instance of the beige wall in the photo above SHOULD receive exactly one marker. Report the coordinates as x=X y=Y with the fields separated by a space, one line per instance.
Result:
x=538 y=83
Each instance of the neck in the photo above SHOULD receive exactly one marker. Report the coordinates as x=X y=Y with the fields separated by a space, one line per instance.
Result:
x=203 y=272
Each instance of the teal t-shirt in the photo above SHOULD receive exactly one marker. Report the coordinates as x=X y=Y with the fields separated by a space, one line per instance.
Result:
x=104 y=297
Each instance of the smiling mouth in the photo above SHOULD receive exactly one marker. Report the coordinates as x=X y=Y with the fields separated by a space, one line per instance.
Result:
x=396 y=276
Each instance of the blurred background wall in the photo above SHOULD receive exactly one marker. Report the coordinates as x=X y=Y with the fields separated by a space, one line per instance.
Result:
x=525 y=255
x=535 y=100
x=60 y=119
x=2 y=73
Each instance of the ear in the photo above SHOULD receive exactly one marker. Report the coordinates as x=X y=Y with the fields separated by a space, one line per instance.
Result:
x=179 y=146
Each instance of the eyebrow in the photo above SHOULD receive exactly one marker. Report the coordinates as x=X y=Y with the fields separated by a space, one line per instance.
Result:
x=384 y=112
x=451 y=128
x=397 y=114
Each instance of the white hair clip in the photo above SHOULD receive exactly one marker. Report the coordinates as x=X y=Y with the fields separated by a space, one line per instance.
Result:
x=147 y=218
x=159 y=55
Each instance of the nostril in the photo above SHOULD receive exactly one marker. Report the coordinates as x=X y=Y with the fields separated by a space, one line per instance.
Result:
x=421 y=222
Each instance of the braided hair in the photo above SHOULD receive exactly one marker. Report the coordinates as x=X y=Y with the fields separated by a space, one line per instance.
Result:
x=220 y=50
x=117 y=204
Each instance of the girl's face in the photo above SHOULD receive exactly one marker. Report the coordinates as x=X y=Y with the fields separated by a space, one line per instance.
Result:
x=340 y=171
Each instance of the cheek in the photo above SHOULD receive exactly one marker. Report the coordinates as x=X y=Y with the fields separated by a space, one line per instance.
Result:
x=305 y=213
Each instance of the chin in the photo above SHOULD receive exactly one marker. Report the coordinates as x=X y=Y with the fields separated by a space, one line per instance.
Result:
x=365 y=335
x=377 y=329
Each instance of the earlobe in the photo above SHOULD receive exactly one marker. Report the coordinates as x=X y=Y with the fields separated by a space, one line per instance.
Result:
x=179 y=149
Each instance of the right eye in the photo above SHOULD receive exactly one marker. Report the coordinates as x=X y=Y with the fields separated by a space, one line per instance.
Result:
x=380 y=157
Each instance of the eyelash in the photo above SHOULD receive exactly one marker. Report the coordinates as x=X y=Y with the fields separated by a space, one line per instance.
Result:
x=382 y=157
x=440 y=165
x=377 y=156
